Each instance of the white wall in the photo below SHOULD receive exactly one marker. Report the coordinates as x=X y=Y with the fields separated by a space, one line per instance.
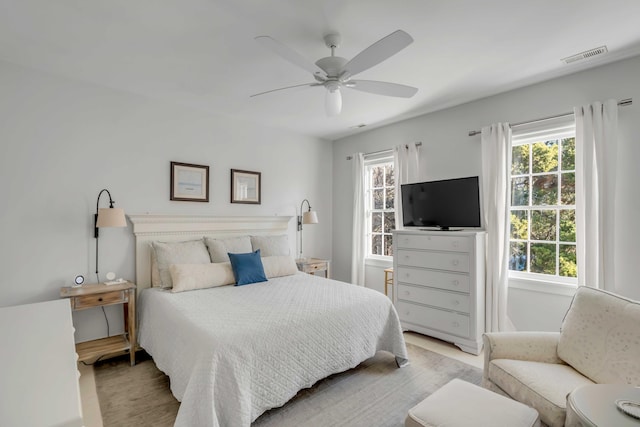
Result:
x=63 y=141
x=449 y=152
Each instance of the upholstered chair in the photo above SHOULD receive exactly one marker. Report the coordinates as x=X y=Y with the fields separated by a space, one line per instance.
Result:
x=599 y=342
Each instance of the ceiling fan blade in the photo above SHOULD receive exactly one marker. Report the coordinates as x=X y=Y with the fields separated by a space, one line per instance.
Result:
x=289 y=54
x=378 y=52
x=283 y=88
x=383 y=88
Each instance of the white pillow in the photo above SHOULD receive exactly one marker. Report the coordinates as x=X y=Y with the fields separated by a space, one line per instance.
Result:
x=187 y=277
x=271 y=245
x=167 y=253
x=218 y=248
x=155 y=274
x=280 y=265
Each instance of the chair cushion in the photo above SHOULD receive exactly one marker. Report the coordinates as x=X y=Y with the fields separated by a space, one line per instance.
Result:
x=459 y=403
x=600 y=337
x=543 y=386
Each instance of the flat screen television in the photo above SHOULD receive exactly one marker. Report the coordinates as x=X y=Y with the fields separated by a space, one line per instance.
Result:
x=445 y=203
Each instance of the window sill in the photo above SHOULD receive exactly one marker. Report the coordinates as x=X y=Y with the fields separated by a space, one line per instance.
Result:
x=379 y=262
x=542 y=286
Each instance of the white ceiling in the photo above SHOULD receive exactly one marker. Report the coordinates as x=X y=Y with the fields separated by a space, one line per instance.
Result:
x=202 y=53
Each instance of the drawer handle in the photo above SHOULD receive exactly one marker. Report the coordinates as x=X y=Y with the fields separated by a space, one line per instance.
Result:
x=407 y=312
x=456 y=302
x=455 y=282
x=456 y=244
x=455 y=324
x=455 y=262
x=407 y=293
x=100 y=299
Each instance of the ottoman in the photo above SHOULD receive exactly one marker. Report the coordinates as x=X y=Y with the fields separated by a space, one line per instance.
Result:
x=459 y=404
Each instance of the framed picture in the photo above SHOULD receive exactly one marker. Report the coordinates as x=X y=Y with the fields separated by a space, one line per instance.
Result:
x=189 y=183
x=245 y=187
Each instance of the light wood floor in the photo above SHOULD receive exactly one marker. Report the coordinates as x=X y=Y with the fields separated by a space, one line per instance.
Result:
x=91 y=407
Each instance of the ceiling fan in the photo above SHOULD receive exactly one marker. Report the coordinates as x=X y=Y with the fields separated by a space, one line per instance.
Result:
x=334 y=72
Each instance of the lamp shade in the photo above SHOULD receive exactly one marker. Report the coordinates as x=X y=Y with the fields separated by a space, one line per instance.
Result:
x=333 y=102
x=111 y=217
x=310 y=217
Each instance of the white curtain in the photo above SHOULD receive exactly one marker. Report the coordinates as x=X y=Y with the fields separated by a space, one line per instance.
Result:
x=407 y=169
x=359 y=232
x=596 y=152
x=496 y=171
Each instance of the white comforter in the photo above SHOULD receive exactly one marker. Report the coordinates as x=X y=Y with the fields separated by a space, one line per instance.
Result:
x=234 y=352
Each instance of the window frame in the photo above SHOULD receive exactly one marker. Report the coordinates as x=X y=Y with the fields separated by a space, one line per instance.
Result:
x=564 y=132
x=382 y=159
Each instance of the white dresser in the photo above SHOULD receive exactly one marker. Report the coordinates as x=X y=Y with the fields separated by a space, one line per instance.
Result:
x=38 y=370
x=439 y=284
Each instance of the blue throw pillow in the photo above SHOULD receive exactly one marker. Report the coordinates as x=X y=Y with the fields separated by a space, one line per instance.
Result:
x=247 y=268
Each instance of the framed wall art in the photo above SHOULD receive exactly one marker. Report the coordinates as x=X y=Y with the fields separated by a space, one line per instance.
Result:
x=189 y=182
x=245 y=187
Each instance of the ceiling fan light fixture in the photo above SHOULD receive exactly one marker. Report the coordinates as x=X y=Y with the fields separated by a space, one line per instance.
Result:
x=334 y=72
x=333 y=101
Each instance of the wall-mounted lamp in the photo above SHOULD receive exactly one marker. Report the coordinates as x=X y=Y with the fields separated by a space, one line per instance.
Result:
x=309 y=217
x=106 y=217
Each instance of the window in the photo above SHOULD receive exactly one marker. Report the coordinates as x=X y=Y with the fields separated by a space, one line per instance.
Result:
x=379 y=206
x=543 y=211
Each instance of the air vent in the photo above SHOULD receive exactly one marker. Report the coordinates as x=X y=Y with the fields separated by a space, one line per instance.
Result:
x=585 y=55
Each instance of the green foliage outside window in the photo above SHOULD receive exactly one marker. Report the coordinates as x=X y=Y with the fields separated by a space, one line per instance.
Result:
x=543 y=229
x=382 y=190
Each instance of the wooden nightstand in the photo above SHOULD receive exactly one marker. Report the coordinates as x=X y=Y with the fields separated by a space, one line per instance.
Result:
x=96 y=295
x=311 y=265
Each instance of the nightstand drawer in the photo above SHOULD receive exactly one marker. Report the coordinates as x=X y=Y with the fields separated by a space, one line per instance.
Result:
x=106 y=298
x=313 y=265
x=317 y=266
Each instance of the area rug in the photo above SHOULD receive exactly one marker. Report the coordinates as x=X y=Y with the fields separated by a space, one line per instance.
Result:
x=375 y=393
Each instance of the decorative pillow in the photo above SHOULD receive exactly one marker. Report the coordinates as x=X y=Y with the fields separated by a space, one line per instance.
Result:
x=271 y=245
x=218 y=248
x=277 y=266
x=155 y=274
x=167 y=253
x=247 y=268
x=187 y=277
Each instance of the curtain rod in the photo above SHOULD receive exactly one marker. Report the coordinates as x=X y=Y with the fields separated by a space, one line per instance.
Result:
x=622 y=103
x=418 y=144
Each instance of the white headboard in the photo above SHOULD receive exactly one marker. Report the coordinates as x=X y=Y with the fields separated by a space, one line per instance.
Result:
x=165 y=228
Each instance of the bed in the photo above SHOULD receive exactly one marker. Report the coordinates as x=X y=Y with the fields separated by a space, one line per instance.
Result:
x=233 y=352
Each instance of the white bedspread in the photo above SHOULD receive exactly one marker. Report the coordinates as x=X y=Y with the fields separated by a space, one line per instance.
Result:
x=234 y=352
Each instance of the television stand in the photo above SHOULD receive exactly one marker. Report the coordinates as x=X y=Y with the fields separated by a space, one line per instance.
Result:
x=439 y=284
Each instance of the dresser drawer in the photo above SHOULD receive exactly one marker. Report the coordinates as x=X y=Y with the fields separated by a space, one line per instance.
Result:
x=435 y=279
x=434 y=297
x=450 y=261
x=106 y=298
x=440 y=243
x=432 y=318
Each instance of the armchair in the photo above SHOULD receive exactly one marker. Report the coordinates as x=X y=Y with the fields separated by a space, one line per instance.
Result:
x=599 y=342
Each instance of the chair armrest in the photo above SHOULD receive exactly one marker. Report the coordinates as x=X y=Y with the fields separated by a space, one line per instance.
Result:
x=531 y=346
